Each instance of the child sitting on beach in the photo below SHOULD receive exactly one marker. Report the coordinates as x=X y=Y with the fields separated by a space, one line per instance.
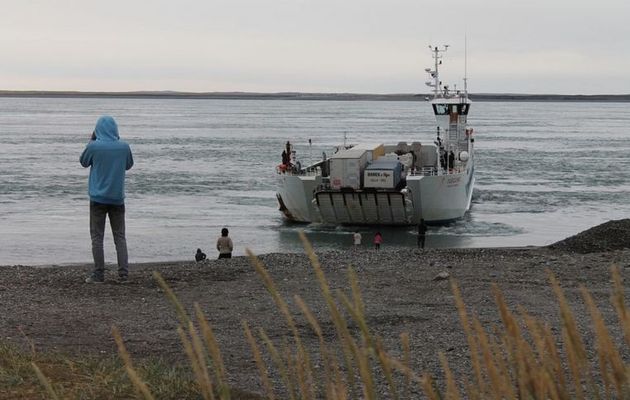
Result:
x=200 y=256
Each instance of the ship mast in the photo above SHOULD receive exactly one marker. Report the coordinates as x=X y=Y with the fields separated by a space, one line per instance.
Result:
x=466 y=67
x=436 y=84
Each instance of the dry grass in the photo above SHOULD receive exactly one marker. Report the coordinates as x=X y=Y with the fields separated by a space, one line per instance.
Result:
x=521 y=358
x=85 y=378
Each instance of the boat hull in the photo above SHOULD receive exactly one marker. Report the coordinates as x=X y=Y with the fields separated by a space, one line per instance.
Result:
x=295 y=195
x=441 y=199
x=438 y=199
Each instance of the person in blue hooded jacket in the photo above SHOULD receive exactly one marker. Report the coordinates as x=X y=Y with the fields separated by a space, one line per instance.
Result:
x=108 y=158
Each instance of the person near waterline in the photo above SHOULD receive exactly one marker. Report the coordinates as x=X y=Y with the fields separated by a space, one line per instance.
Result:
x=285 y=158
x=422 y=230
x=356 y=239
x=108 y=158
x=200 y=256
x=224 y=244
x=378 y=239
x=288 y=147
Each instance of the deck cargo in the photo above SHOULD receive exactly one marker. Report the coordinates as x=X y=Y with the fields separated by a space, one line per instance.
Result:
x=382 y=174
x=346 y=168
x=374 y=150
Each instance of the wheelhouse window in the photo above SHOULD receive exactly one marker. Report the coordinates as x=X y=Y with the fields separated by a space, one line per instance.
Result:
x=440 y=109
x=447 y=109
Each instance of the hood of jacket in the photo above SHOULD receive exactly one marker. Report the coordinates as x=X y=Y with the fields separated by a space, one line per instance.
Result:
x=106 y=129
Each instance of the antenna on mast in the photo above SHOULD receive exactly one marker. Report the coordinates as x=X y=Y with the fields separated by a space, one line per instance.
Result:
x=466 y=65
x=435 y=82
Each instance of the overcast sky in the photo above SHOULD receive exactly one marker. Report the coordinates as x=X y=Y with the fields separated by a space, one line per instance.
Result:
x=369 y=46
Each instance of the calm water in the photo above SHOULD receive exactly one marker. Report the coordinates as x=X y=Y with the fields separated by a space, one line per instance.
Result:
x=544 y=171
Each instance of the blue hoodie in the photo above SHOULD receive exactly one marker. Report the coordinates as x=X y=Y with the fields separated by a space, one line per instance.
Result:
x=109 y=158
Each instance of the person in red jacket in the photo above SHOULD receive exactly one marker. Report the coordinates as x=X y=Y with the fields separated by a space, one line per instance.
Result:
x=378 y=239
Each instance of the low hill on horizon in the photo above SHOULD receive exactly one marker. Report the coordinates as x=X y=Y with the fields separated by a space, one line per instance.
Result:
x=313 y=96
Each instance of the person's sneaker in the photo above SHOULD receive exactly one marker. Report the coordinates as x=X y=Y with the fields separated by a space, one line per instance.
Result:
x=123 y=279
x=91 y=279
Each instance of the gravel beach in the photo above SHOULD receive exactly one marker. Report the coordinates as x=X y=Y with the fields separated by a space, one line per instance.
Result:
x=403 y=290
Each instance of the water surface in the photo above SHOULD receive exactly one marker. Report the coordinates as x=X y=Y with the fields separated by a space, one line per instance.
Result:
x=544 y=171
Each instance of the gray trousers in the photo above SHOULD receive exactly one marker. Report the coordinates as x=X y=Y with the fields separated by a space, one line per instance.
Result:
x=116 y=213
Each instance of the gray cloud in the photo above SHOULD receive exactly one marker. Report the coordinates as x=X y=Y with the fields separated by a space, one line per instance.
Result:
x=553 y=46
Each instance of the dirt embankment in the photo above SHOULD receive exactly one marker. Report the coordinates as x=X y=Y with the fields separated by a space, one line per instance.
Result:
x=609 y=236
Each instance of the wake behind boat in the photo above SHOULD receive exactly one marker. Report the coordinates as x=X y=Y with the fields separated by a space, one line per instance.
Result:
x=389 y=184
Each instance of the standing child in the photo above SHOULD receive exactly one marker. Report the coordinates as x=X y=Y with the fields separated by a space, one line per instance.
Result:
x=224 y=244
x=378 y=239
x=356 y=239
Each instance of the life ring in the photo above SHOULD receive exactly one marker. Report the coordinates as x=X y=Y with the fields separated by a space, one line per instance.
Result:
x=281 y=168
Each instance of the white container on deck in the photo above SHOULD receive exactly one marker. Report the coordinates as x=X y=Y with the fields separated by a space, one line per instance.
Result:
x=382 y=174
x=346 y=168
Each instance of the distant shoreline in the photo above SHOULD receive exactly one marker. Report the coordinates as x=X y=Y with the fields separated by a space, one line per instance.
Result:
x=314 y=96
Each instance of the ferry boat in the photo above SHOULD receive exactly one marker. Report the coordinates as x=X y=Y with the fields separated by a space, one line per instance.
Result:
x=389 y=184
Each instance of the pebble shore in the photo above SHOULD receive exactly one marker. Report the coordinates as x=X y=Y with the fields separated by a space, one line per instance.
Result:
x=403 y=291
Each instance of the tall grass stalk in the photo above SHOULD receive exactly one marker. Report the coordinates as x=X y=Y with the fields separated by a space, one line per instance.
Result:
x=304 y=366
x=215 y=354
x=304 y=375
x=387 y=368
x=260 y=363
x=196 y=349
x=406 y=350
x=348 y=347
x=184 y=319
x=472 y=343
x=137 y=382
x=429 y=388
x=197 y=356
x=280 y=364
x=612 y=367
x=44 y=381
x=620 y=304
x=452 y=392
